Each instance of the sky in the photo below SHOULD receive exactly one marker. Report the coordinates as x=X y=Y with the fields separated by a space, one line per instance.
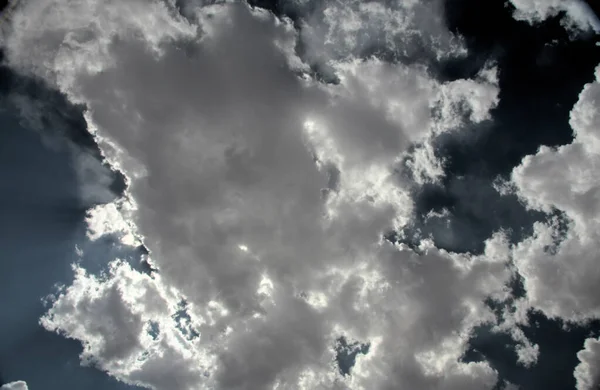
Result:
x=297 y=194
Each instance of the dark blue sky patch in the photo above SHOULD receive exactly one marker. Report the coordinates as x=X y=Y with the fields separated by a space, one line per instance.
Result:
x=54 y=117
x=183 y=321
x=42 y=221
x=37 y=239
x=462 y=212
x=346 y=353
x=96 y=254
x=541 y=72
x=558 y=343
x=556 y=361
x=153 y=330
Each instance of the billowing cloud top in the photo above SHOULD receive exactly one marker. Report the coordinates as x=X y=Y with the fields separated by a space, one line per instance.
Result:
x=263 y=196
x=580 y=16
x=559 y=262
x=587 y=372
x=18 y=385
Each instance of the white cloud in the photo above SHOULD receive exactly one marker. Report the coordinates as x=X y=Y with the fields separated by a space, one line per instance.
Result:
x=110 y=218
x=424 y=165
x=412 y=30
x=18 y=385
x=113 y=316
x=218 y=137
x=401 y=105
x=464 y=100
x=515 y=316
x=587 y=372
x=427 y=307
x=559 y=262
x=579 y=14
x=58 y=39
x=527 y=353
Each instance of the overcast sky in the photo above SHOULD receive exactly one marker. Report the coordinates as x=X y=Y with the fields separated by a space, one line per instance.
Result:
x=300 y=195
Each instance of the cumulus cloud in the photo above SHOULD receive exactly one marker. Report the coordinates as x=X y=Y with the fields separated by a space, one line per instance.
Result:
x=18 y=385
x=400 y=30
x=558 y=262
x=263 y=196
x=108 y=219
x=587 y=372
x=128 y=324
x=86 y=27
x=579 y=14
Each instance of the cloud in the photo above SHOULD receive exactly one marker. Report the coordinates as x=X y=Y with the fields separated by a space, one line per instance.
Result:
x=409 y=31
x=85 y=27
x=18 y=385
x=263 y=196
x=108 y=219
x=115 y=315
x=558 y=262
x=579 y=14
x=587 y=373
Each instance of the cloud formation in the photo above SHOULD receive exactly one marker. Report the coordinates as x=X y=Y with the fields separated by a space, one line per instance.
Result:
x=406 y=31
x=587 y=373
x=263 y=196
x=558 y=262
x=578 y=14
x=18 y=385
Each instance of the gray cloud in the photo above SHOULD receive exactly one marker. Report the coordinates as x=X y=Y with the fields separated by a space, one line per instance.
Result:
x=227 y=146
x=405 y=31
x=579 y=14
x=587 y=373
